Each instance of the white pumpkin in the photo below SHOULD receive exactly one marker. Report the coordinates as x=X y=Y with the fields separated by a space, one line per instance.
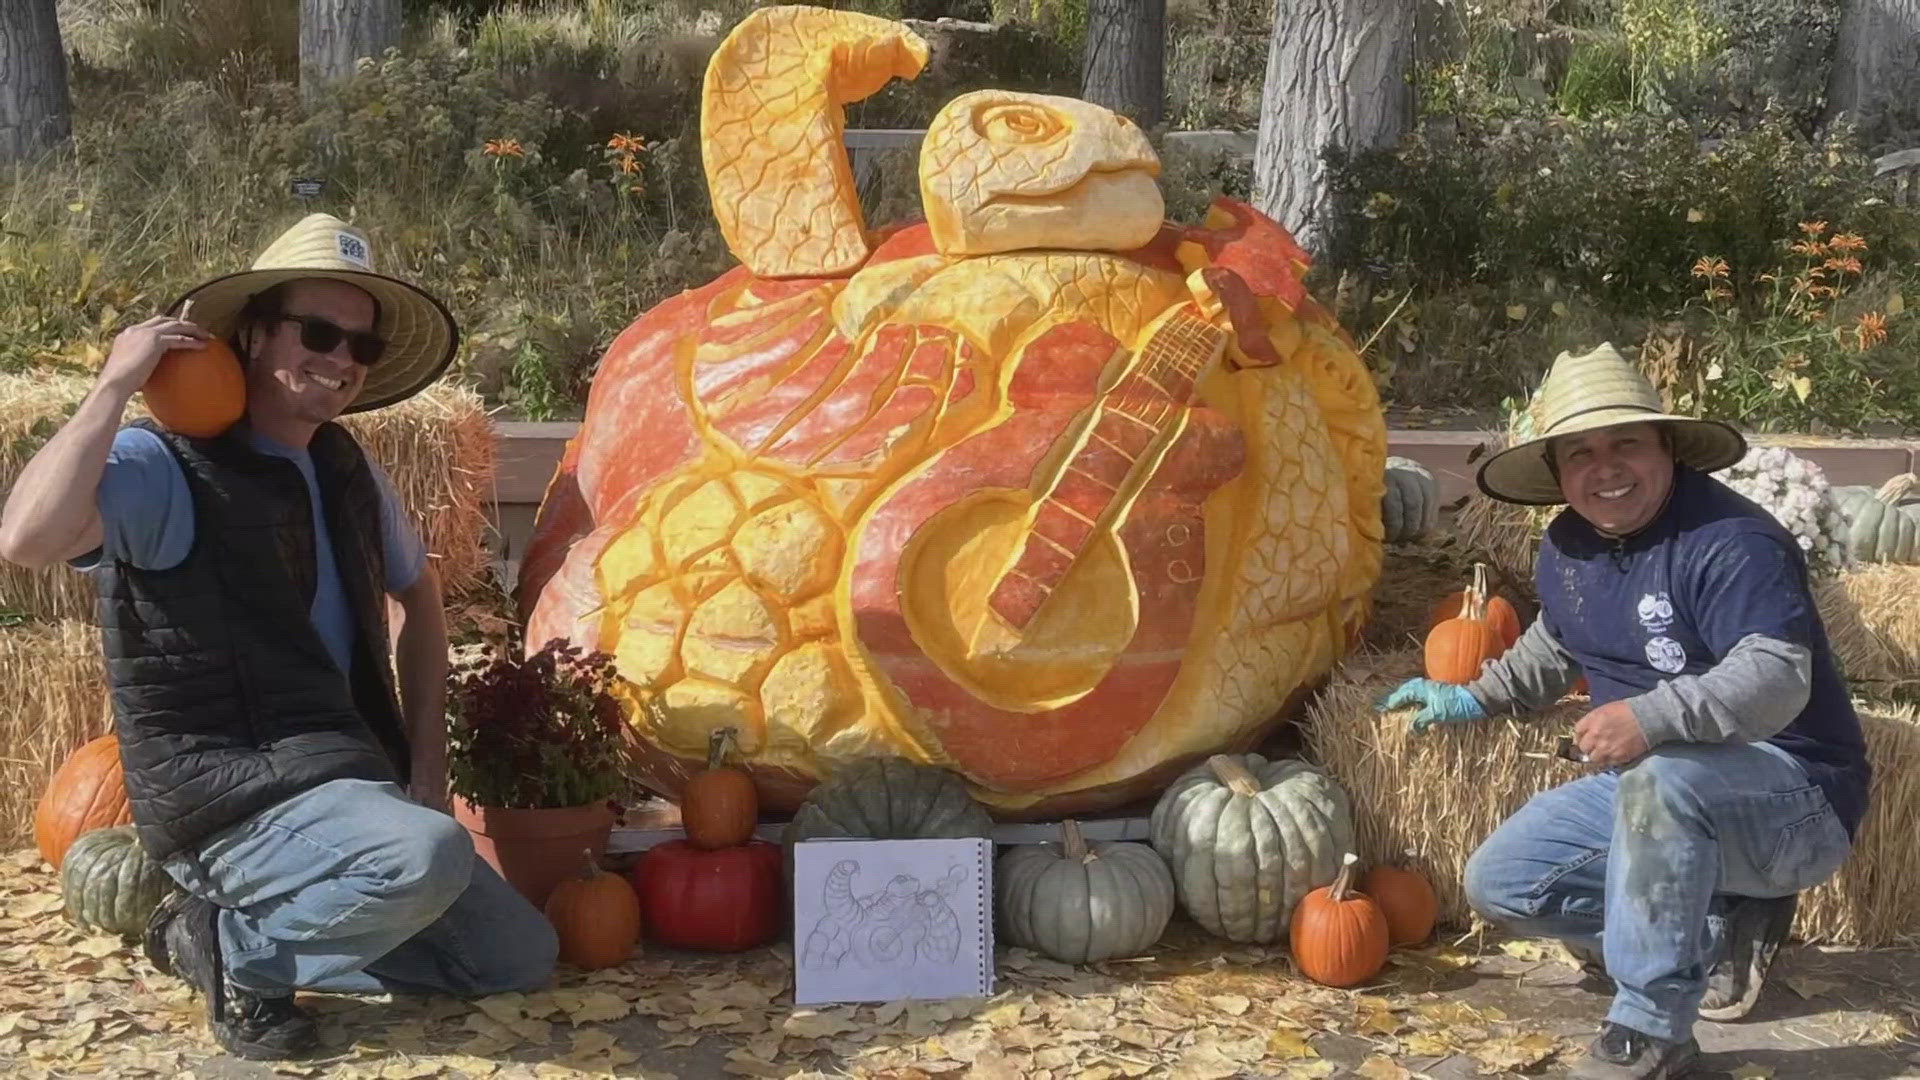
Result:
x=1410 y=507
x=1877 y=530
x=1246 y=838
x=1081 y=904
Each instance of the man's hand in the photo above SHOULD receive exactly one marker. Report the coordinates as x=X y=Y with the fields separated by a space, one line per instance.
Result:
x=1439 y=703
x=1610 y=735
x=138 y=349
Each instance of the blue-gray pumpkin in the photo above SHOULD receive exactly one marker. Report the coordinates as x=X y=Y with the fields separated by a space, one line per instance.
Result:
x=1081 y=903
x=1410 y=506
x=109 y=883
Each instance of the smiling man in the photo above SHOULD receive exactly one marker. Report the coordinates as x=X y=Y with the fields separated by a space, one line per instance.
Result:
x=243 y=582
x=1733 y=771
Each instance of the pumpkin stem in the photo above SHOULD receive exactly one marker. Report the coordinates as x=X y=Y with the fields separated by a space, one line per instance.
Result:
x=1896 y=489
x=1233 y=774
x=593 y=868
x=1476 y=605
x=1343 y=885
x=1073 y=844
x=717 y=741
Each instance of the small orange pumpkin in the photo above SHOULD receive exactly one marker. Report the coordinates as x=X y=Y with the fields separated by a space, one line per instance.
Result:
x=1406 y=900
x=1458 y=646
x=719 y=807
x=86 y=793
x=596 y=916
x=1501 y=614
x=1339 y=936
x=197 y=392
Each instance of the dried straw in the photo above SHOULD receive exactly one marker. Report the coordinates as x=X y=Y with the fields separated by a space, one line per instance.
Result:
x=1438 y=795
x=1412 y=578
x=1432 y=797
x=1872 y=616
x=1507 y=536
x=56 y=701
x=438 y=447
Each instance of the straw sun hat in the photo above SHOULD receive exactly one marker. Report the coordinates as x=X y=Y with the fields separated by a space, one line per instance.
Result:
x=420 y=332
x=1584 y=393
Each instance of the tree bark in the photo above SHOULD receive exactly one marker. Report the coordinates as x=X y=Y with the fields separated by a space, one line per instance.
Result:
x=36 y=113
x=335 y=34
x=1876 y=61
x=1126 y=58
x=1337 y=75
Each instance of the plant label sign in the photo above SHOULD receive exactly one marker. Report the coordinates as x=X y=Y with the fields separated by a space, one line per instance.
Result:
x=307 y=187
x=892 y=920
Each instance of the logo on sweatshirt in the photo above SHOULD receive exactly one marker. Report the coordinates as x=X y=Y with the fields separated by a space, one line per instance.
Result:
x=1664 y=653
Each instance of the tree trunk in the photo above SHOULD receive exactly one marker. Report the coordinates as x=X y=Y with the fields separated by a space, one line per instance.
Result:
x=1337 y=75
x=1126 y=59
x=1876 y=61
x=35 y=112
x=335 y=34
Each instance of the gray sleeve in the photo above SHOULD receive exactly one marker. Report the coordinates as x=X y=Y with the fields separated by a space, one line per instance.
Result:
x=1759 y=688
x=1528 y=677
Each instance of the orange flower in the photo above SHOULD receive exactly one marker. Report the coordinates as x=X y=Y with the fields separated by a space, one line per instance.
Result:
x=503 y=148
x=1848 y=265
x=1810 y=248
x=1713 y=269
x=629 y=164
x=627 y=143
x=1871 y=330
x=1846 y=242
x=1813 y=228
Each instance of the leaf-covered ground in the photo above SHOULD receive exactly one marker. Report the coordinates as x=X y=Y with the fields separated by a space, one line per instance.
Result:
x=75 y=1004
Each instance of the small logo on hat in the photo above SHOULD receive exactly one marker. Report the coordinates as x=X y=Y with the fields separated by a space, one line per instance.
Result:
x=353 y=249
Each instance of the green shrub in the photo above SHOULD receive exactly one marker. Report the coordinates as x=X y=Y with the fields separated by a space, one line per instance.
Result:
x=1599 y=78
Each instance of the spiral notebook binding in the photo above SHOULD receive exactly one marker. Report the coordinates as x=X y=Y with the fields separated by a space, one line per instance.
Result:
x=986 y=918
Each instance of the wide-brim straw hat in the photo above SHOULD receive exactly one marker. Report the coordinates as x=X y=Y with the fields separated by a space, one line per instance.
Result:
x=1584 y=393
x=420 y=332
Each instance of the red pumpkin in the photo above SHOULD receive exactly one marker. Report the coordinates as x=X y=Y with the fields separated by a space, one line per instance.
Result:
x=197 y=392
x=719 y=807
x=1407 y=901
x=724 y=900
x=1339 y=936
x=86 y=793
x=596 y=916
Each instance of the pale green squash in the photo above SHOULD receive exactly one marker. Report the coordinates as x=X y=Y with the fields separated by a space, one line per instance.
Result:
x=1410 y=506
x=1083 y=904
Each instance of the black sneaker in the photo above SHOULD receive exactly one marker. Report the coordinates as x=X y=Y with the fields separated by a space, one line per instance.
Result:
x=183 y=940
x=1756 y=928
x=1621 y=1053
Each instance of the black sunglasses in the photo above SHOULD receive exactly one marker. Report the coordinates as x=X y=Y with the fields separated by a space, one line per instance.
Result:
x=324 y=336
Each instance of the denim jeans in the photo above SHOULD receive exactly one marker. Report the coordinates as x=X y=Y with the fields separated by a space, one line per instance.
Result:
x=353 y=888
x=1635 y=866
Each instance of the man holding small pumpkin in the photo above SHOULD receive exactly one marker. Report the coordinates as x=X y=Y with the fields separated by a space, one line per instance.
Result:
x=1735 y=774
x=243 y=574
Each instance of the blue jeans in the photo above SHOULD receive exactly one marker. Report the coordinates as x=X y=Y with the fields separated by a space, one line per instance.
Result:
x=353 y=888
x=1649 y=854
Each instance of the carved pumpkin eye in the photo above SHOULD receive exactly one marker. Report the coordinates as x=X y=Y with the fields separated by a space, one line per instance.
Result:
x=1019 y=124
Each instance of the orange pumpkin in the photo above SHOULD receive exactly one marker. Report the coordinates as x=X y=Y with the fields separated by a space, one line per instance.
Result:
x=86 y=793
x=1457 y=647
x=197 y=392
x=1339 y=936
x=1405 y=899
x=597 y=917
x=1501 y=613
x=719 y=807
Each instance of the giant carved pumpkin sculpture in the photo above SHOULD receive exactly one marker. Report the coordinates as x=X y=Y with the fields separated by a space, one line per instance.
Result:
x=1045 y=489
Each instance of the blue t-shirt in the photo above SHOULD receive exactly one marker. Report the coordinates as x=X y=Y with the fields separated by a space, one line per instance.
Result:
x=146 y=520
x=1675 y=598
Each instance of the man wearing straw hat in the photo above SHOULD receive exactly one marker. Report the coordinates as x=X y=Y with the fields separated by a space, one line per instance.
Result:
x=243 y=581
x=1734 y=772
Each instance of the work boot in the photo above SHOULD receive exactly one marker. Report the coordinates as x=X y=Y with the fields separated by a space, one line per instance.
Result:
x=1756 y=928
x=1621 y=1053
x=183 y=940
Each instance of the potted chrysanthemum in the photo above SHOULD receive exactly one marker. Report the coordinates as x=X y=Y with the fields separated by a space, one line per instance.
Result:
x=535 y=757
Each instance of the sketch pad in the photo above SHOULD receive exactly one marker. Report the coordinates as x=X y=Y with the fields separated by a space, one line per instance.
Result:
x=892 y=920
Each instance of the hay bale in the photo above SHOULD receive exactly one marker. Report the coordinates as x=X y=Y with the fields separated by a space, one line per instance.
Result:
x=1412 y=578
x=438 y=447
x=1409 y=796
x=1412 y=794
x=1874 y=900
x=1507 y=536
x=1872 y=616
x=56 y=700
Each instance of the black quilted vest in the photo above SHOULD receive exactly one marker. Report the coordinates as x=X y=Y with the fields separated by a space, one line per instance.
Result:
x=225 y=699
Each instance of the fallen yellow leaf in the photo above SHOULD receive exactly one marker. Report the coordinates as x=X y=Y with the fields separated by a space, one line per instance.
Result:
x=1289 y=1046
x=1231 y=1004
x=1750 y=1071
x=1381 y=1067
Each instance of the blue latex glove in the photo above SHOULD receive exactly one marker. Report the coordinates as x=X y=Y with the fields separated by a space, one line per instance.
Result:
x=1440 y=703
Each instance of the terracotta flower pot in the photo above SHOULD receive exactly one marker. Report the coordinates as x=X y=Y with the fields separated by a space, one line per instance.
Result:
x=534 y=849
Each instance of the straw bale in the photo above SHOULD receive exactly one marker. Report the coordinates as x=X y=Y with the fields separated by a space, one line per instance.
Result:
x=56 y=700
x=1507 y=536
x=1874 y=900
x=1440 y=794
x=1412 y=578
x=438 y=447
x=1872 y=616
x=1436 y=796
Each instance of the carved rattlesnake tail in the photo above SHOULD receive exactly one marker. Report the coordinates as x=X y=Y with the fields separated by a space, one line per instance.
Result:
x=770 y=132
